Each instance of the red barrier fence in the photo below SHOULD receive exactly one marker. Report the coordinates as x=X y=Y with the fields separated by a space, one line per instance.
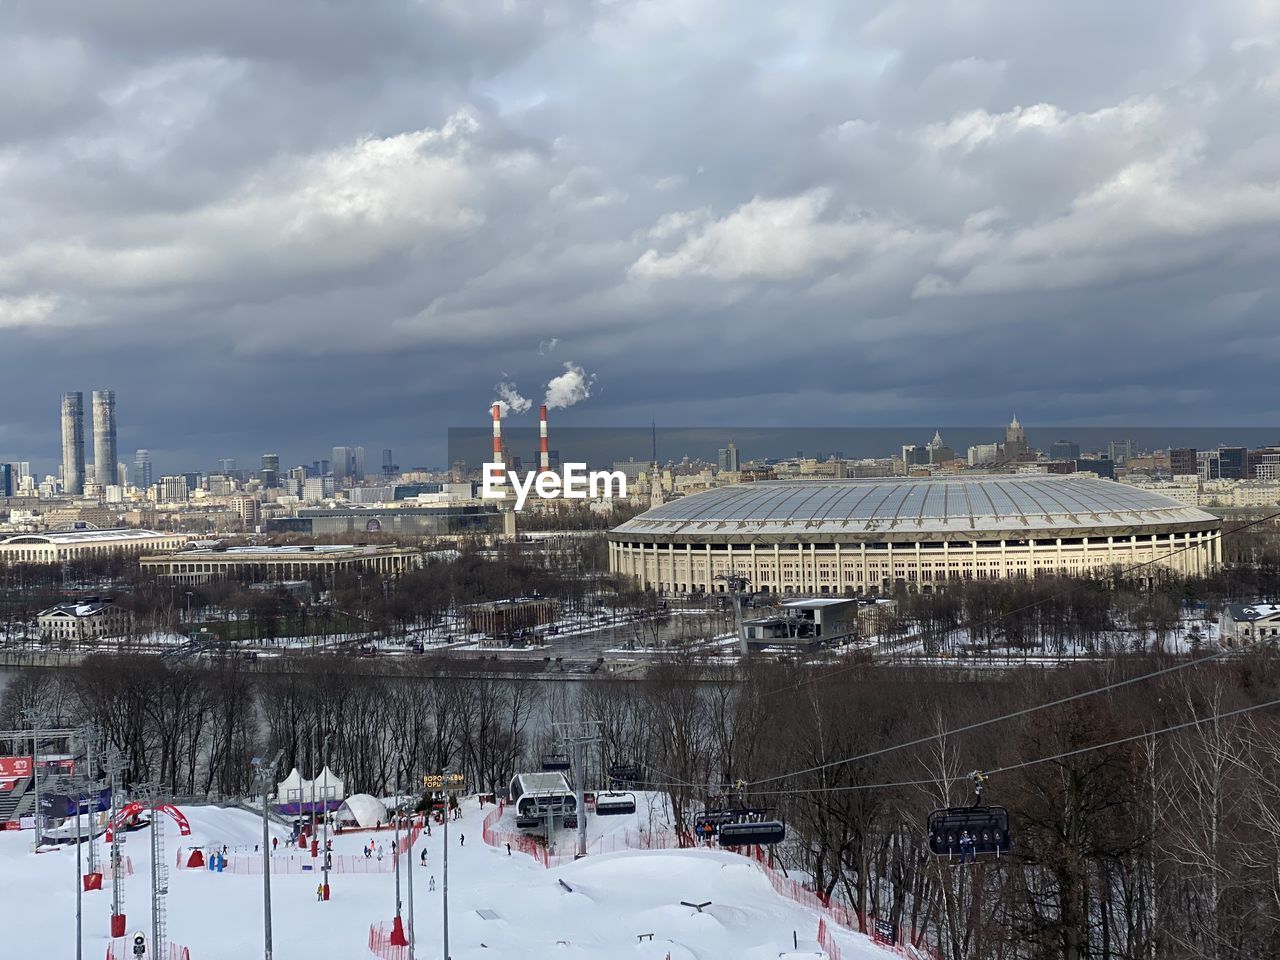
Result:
x=827 y=942
x=380 y=944
x=122 y=949
x=915 y=948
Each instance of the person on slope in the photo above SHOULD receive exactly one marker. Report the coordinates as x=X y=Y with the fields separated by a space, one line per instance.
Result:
x=424 y=856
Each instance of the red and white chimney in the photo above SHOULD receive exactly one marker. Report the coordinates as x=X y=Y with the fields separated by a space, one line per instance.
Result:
x=544 y=451
x=497 y=433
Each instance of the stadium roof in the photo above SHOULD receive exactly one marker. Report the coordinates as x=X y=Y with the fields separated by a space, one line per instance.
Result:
x=1025 y=502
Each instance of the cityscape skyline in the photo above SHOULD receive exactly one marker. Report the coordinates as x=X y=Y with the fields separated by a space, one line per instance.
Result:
x=924 y=223
x=602 y=444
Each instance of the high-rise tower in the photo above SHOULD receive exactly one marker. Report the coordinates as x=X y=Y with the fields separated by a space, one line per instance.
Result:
x=142 y=469
x=104 y=437
x=73 y=443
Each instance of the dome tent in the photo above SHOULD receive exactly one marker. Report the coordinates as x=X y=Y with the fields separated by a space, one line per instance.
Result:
x=362 y=810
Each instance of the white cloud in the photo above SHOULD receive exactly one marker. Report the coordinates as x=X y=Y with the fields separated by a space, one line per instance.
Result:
x=571 y=387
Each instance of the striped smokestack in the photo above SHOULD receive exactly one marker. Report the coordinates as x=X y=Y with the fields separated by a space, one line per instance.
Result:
x=544 y=451
x=497 y=433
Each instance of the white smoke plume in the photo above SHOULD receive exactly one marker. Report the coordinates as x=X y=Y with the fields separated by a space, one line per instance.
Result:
x=572 y=386
x=509 y=399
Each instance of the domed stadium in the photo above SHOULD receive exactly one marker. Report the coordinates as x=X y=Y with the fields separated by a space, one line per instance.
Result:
x=872 y=536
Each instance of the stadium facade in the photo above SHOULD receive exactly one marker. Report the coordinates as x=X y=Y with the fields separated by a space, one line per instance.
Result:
x=872 y=536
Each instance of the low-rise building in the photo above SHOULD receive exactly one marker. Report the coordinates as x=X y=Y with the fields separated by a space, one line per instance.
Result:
x=498 y=618
x=1244 y=623
x=76 y=621
x=803 y=623
x=263 y=564
x=59 y=546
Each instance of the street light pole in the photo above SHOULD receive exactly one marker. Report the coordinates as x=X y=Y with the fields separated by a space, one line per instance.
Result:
x=325 y=822
x=446 y=784
x=413 y=939
x=445 y=887
x=263 y=769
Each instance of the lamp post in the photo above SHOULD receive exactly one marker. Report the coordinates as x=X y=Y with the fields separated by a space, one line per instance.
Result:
x=413 y=938
x=263 y=770
x=325 y=821
x=446 y=783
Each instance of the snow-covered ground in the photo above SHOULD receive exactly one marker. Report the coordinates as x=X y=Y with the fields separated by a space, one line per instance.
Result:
x=500 y=905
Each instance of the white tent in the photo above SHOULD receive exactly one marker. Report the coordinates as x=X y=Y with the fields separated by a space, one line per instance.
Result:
x=362 y=810
x=289 y=790
x=296 y=789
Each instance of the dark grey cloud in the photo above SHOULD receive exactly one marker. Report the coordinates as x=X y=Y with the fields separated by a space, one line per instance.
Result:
x=285 y=226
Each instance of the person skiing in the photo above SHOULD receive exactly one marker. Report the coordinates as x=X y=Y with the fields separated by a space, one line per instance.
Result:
x=431 y=884
x=319 y=893
x=424 y=856
x=508 y=849
x=462 y=839
x=275 y=842
x=379 y=853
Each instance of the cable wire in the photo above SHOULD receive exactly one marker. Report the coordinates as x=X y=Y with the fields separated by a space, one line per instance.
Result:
x=1066 y=754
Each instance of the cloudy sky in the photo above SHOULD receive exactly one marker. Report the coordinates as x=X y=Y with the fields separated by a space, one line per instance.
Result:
x=287 y=225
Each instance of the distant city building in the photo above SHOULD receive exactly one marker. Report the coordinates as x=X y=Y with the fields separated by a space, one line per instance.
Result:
x=983 y=453
x=1120 y=452
x=315 y=489
x=73 y=443
x=632 y=468
x=228 y=465
x=6 y=480
x=1265 y=463
x=1102 y=466
x=104 y=437
x=357 y=464
x=172 y=490
x=1064 y=450
x=729 y=459
x=381 y=494
x=142 y=469
x=389 y=468
x=248 y=509
x=938 y=451
x=445 y=520
x=341 y=463
x=270 y=472
x=1233 y=463
x=1182 y=461
x=1015 y=441
x=220 y=486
